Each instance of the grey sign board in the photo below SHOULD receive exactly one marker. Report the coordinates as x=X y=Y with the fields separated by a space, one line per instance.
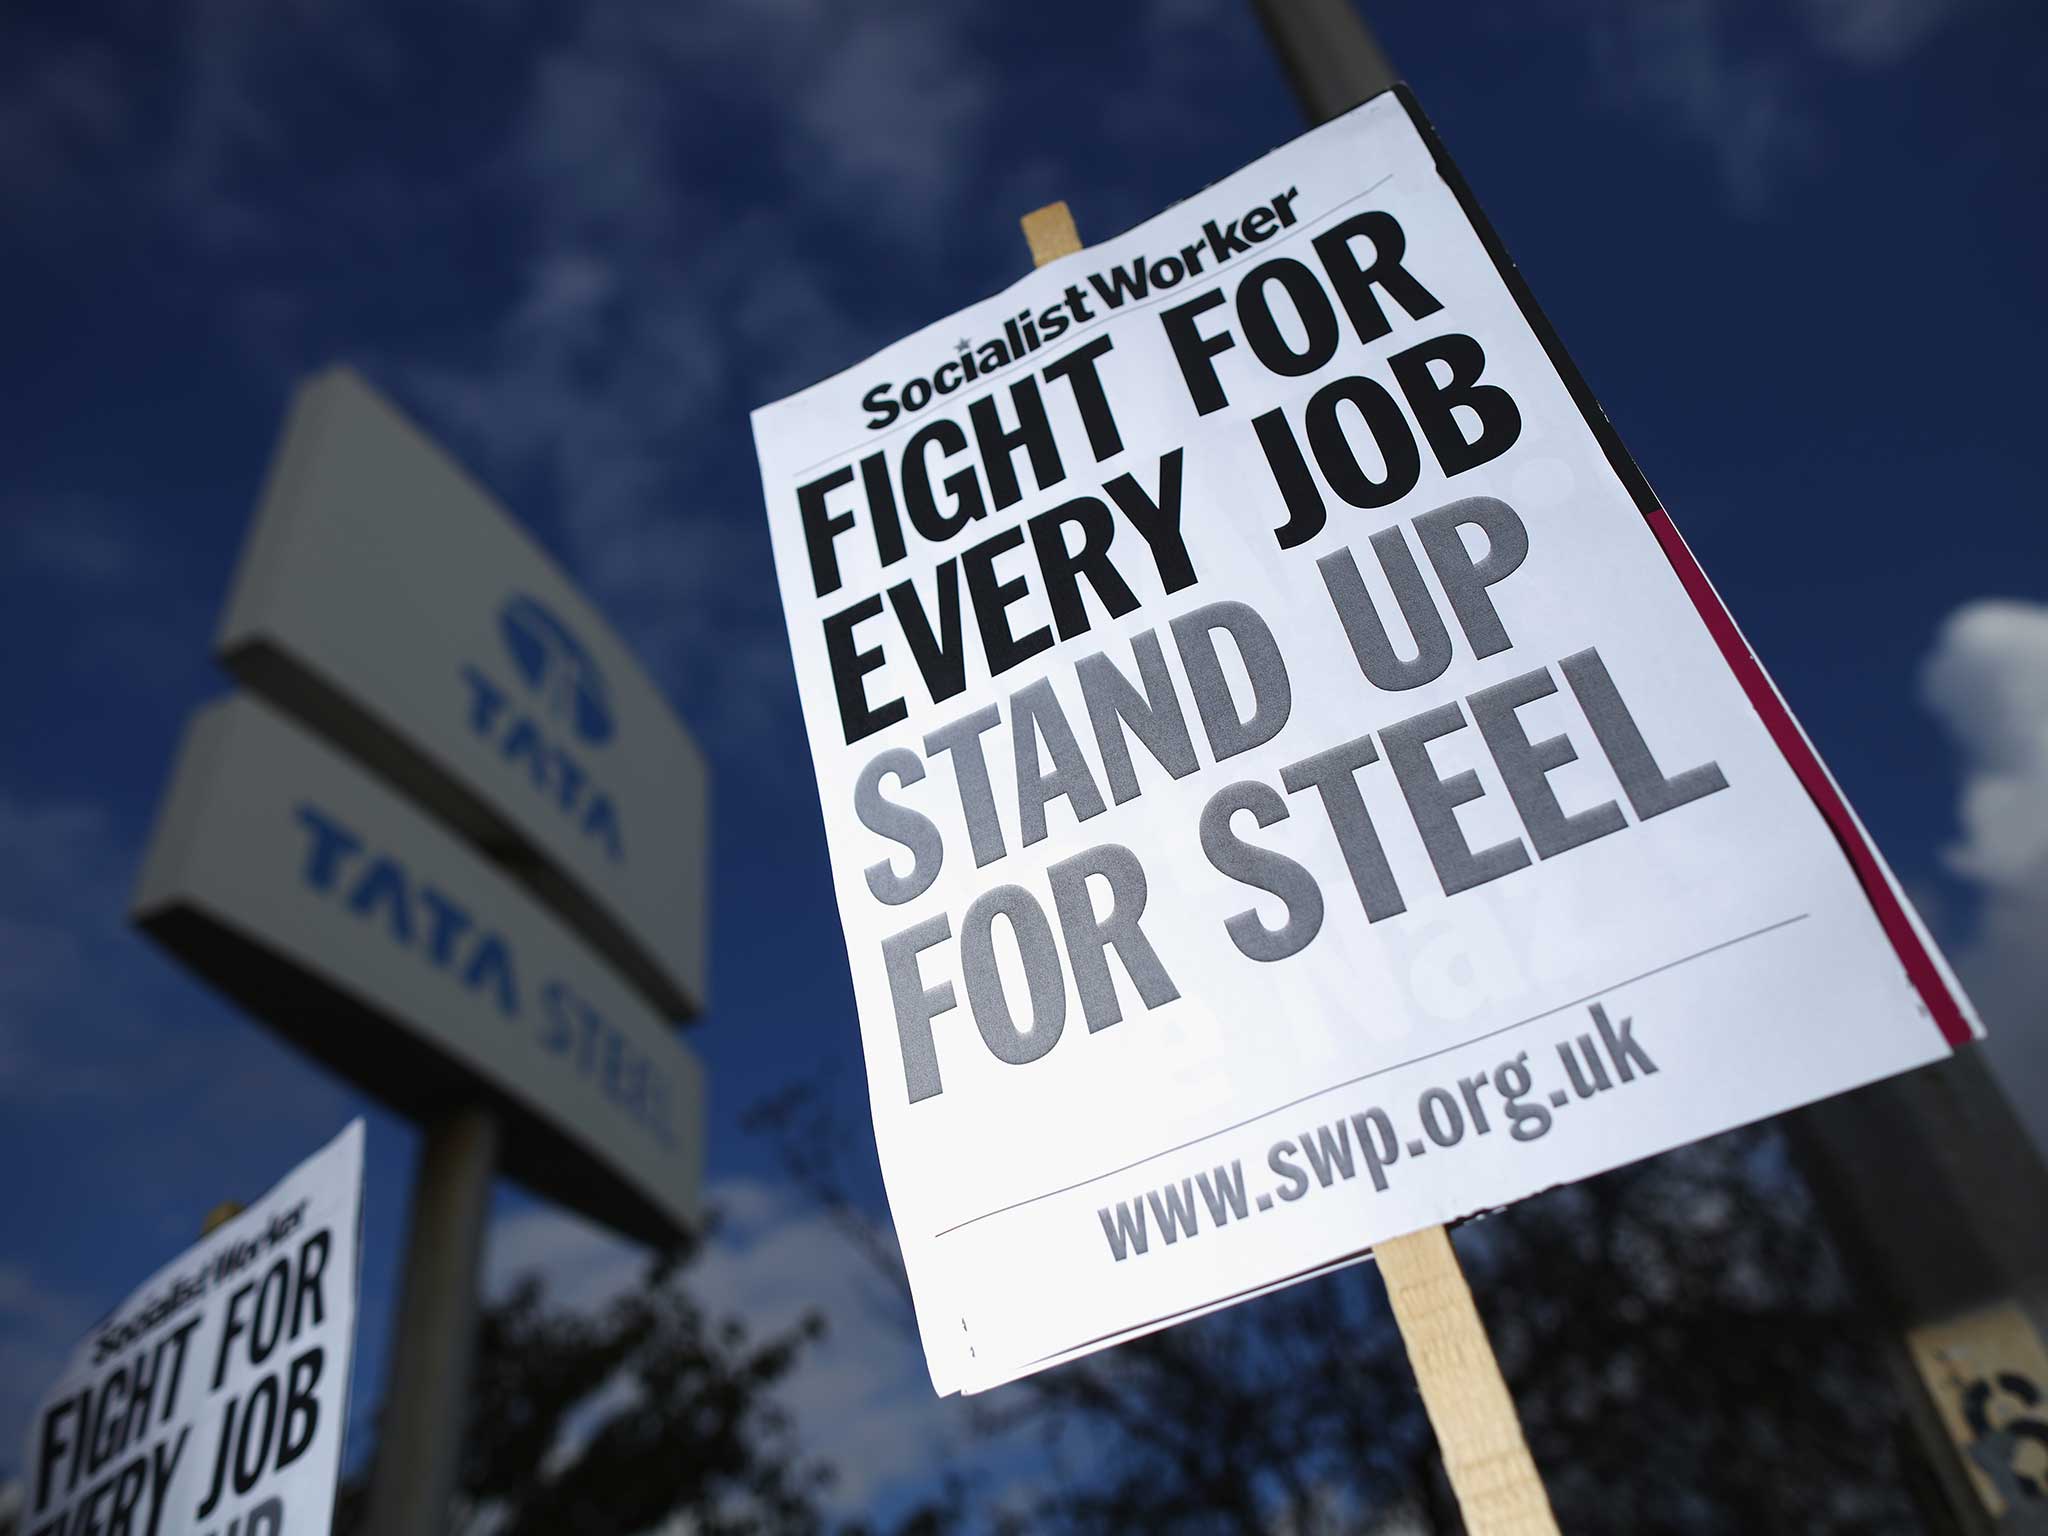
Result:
x=385 y=946
x=386 y=599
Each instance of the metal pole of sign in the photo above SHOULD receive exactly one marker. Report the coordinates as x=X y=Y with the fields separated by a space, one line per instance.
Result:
x=1928 y=1181
x=426 y=1394
x=1331 y=57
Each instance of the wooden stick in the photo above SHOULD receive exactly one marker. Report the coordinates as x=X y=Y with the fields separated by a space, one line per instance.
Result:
x=1050 y=233
x=1490 y=1469
x=1499 y=1491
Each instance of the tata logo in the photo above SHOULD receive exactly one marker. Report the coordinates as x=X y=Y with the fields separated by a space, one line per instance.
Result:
x=557 y=668
x=557 y=706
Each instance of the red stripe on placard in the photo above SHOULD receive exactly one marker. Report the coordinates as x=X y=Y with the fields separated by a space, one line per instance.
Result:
x=1792 y=743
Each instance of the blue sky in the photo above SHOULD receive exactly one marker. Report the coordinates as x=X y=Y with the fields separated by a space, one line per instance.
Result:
x=1794 y=246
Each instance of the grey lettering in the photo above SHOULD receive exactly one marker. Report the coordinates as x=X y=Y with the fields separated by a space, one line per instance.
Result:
x=1089 y=938
x=916 y=1004
x=899 y=823
x=1434 y=802
x=1262 y=869
x=1526 y=766
x=1042 y=975
x=1194 y=635
x=1648 y=790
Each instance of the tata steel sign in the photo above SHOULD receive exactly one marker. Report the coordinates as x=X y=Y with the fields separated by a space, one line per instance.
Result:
x=387 y=600
x=385 y=946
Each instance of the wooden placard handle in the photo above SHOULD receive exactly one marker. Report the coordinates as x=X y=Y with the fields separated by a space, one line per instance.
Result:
x=1485 y=1455
x=1050 y=233
x=1491 y=1471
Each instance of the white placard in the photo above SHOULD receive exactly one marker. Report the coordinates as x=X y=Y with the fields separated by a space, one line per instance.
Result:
x=1286 y=782
x=387 y=598
x=383 y=944
x=215 y=1398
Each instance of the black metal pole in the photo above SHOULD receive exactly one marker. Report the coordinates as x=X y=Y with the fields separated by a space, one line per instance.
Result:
x=1331 y=57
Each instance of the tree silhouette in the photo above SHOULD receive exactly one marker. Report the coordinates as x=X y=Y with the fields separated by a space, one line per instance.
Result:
x=1682 y=1343
x=645 y=1413
x=1681 y=1339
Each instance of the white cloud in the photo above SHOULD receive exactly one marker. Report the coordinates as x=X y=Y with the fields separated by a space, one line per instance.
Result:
x=1874 y=33
x=85 y=545
x=241 y=68
x=1987 y=680
x=860 y=1399
x=1680 y=59
x=1708 y=68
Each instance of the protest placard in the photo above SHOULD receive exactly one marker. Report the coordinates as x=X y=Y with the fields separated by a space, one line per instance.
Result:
x=1281 y=765
x=215 y=1398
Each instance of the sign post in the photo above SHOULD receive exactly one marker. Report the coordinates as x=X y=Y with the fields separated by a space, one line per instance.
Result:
x=451 y=843
x=434 y=1345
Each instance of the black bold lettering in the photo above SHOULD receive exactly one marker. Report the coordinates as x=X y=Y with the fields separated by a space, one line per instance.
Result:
x=996 y=443
x=849 y=665
x=1500 y=422
x=1195 y=352
x=1388 y=429
x=1311 y=304
x=1063 y=566
x=1158 y=520
x=962 y=485
x=1077 y=368
x=821 y=526
x=301 y=1407
x=992 y=600
x=877 y=400
x=941 y=652
x=1306 y=513
x=874 y=480
x=1355 y=283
